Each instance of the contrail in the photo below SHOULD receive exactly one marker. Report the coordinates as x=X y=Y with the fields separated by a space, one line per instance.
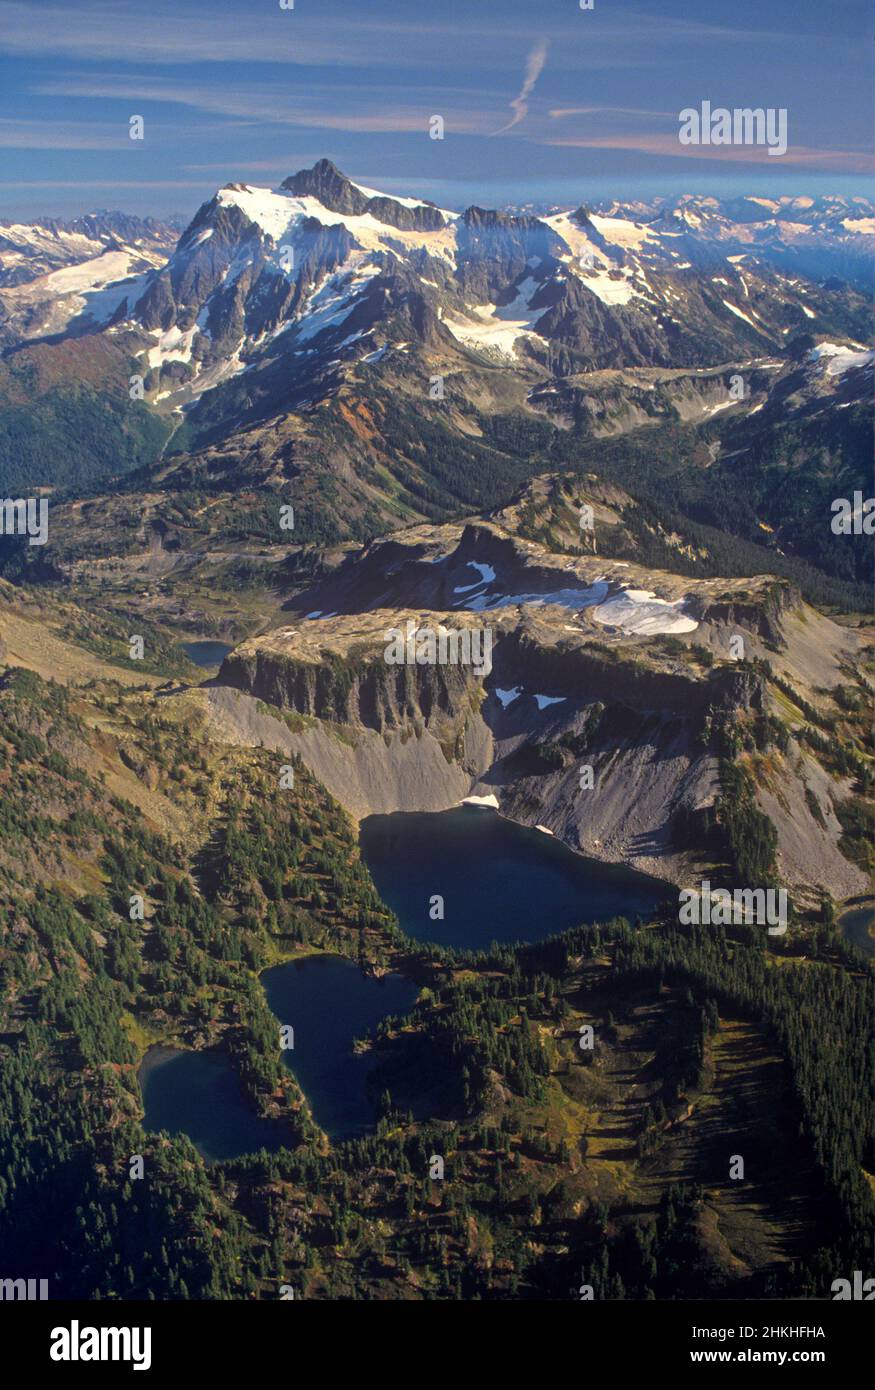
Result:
x=534 y=67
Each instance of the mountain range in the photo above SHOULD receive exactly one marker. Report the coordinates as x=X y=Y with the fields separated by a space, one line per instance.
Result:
x=386 y=361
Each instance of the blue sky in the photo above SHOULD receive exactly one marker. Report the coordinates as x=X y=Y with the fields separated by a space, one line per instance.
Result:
x=541 y=101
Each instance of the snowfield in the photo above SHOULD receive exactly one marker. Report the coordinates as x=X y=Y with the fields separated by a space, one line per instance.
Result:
x=641 y=613
x=173 y=346
x=621 y=232
x=280 y=214
x=837 y=358
x=607 y=289
x=491 y=326
x=94 y=289
x=565 y=598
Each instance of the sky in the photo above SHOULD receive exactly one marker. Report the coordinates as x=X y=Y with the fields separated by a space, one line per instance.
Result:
x=542 y=102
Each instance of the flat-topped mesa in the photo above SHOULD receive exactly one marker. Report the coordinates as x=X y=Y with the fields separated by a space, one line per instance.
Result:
x=395 y=669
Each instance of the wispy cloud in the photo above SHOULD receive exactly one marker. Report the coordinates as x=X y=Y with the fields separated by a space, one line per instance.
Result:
x=184 y=32
x=840 y=161
x=558 y=113
x=170 y=34
x=365 y=108
x=59 y=135
x=92 y=184
x=178 y=33
x=520 y=104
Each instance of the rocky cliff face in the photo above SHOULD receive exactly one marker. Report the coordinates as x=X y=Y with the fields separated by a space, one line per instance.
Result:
x=355 y=690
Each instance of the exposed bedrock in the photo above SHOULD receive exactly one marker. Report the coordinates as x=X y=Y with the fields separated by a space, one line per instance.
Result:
x=386 y=738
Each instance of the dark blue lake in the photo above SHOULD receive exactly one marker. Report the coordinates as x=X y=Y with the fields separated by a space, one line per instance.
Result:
x=329 y=1003
x=858 y=925
x=198 y=1094
x=499 y=881
x=206 y=653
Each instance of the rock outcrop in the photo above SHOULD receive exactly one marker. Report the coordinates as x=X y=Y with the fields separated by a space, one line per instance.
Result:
x=604 y=732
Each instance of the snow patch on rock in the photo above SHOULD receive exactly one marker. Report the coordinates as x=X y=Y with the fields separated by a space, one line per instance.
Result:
x=507 y=697
x=640 y=612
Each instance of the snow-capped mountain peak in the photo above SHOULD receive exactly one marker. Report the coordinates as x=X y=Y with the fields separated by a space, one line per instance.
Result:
x=296 y=284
